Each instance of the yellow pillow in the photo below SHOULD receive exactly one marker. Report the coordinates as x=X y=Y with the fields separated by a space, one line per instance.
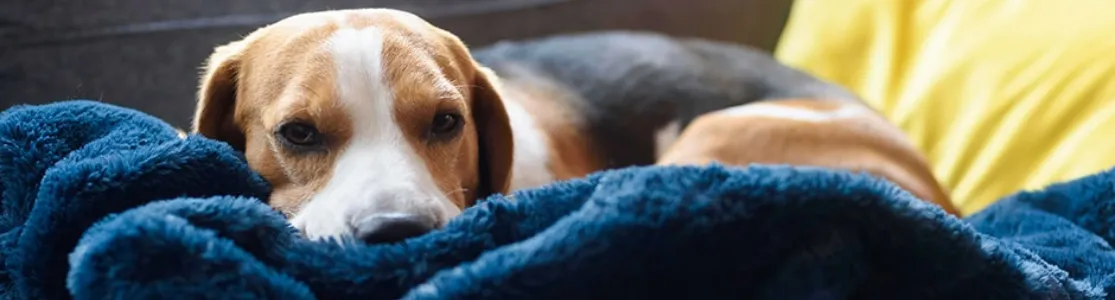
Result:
x=1001 y=95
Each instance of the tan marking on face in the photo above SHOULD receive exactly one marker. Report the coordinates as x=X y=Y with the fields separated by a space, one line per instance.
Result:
x=284 y=75
x=289 y=72
x=429 y=78
x=812 y=133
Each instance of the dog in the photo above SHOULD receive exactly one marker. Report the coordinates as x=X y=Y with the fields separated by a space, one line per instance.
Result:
x=374 y=125
x=809 y=132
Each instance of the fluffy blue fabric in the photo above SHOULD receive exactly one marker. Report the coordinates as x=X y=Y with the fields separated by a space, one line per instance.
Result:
x=82 y=217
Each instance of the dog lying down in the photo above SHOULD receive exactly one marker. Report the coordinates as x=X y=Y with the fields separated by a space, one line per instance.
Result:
x=373 y=125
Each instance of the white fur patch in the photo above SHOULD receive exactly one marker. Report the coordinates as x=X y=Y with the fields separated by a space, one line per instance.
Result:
x=665 y=137
x=377 y=172
x=774 y=110
x=531 y=150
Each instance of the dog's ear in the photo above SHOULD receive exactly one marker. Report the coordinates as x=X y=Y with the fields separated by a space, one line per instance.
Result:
x=216 y=103
x=493 y=127
x=493 y=130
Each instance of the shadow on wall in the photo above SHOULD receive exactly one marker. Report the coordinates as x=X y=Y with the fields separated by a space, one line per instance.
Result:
x=146 y=54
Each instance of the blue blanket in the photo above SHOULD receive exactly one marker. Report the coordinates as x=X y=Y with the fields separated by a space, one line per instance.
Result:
x=103 y=202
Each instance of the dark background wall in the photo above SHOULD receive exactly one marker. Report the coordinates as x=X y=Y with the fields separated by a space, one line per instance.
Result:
x=146 y=54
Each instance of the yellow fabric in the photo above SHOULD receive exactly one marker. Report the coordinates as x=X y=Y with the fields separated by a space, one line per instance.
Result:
x=1001 y=95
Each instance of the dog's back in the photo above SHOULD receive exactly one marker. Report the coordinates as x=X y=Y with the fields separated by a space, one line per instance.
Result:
x=635 y=91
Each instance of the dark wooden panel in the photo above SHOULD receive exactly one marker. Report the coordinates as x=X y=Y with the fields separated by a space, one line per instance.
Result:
x=145 y=54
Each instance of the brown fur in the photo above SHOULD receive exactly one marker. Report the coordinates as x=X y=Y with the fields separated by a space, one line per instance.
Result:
x=864 y=142
x=283 y=72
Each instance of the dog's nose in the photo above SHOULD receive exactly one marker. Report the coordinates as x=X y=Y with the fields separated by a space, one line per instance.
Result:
x=389 y=228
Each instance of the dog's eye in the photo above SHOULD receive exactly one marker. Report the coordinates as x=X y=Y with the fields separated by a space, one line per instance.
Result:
x=299 y=134
x=445 y=123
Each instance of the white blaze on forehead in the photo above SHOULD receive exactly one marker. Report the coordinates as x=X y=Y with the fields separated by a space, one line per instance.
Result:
x=377 y=171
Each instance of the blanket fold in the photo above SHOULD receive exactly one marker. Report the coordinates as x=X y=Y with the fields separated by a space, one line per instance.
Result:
x=102 y=202
x=67 y=165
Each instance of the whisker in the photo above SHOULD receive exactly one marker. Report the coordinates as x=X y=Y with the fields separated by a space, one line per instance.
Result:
x=460 y=190
x=465 y=86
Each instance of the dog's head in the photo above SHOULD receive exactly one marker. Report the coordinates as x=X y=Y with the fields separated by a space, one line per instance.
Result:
x=368 y=123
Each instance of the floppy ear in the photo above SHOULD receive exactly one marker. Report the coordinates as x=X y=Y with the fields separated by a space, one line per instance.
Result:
x=216 y=104
x=493 y=130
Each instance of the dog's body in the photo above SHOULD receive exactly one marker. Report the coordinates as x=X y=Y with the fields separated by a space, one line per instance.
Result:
x=808 y=132
x=374 y=124
x=616 y=99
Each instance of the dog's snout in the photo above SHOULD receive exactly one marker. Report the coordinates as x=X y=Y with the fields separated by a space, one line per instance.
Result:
x=390 y=228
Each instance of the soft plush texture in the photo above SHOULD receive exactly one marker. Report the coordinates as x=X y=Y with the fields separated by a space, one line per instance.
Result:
x=1001 y=95
x=83 y=217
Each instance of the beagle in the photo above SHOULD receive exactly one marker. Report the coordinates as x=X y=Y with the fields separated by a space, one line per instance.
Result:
x=374 y=125
x=808 y=132
x=369 y=124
